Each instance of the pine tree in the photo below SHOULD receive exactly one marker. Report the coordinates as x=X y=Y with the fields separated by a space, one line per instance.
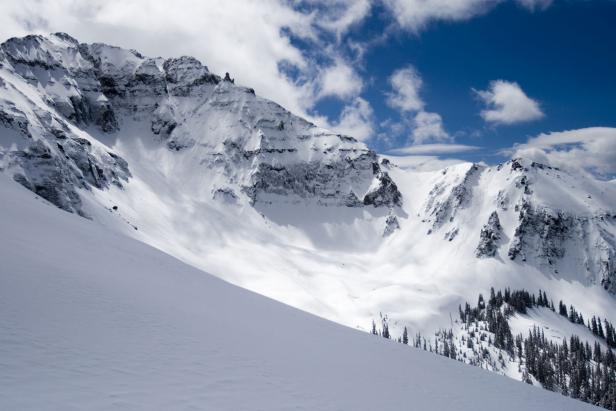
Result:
x=385 y=331
x=562 y=309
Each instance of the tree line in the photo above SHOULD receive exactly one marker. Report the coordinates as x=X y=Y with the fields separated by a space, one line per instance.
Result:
x=572 y=366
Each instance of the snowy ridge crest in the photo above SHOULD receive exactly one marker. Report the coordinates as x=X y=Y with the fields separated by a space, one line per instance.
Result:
x=535 y=214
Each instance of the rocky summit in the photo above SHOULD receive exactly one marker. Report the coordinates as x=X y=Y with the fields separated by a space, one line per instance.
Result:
x=56 y=90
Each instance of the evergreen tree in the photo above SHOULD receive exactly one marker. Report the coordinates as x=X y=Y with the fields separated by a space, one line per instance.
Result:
x=562 y=309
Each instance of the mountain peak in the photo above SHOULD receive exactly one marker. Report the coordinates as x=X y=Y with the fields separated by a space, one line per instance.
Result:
x=265 y=151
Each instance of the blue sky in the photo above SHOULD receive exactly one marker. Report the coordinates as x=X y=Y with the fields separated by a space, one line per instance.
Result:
x=564 y=57
x=478 y=80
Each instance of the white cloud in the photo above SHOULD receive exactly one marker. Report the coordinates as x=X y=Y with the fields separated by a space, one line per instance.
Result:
x=428 y=127
x=356 y=120
x=415 y=15
x=338 y=16
x=406 y=83
x=435 y=149
x=340 y=80
x=506 y=103
x=533 y=5
x=592 y=149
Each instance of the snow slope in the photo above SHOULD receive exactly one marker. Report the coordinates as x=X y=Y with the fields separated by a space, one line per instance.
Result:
x=91 y=319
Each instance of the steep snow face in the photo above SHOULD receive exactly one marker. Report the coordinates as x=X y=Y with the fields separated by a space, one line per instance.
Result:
x=95 y=320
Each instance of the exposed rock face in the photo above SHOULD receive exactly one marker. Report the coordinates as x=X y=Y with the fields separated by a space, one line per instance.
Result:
x=540 y=216
x=225 y=195
x=391 y=225
x=442 y=207
x=384 y=193
x=551 y=236
x=489 y=237
x=555 y=239
x=56 y=173
x=68 y=78
x=606 y=259
x=550 y=228
x=452 y=234
x=268 y=153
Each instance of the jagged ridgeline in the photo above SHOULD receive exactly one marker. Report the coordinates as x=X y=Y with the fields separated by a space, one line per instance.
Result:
x=531 y=214
x=60 y=96
x=483 y=337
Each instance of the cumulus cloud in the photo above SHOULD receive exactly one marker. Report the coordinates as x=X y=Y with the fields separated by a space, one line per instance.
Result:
x=506 y=103
x=340 y=80
x=592 y=149
x=435 y=149
x=428 y=127
x=356 y=120
x=405 y=83
x=415 y=15
x=405 y=97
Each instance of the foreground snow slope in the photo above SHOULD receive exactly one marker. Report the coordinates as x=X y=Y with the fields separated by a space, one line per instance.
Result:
x=90 y=319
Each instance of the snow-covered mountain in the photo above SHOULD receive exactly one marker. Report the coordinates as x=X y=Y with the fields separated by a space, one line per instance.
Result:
x=252 y=144
x=172 y=155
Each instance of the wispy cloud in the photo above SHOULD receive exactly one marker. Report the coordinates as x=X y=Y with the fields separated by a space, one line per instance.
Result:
x=416 y=15
x=435 y=149
x=592 y=149
x=533 y=5
x=406 y=84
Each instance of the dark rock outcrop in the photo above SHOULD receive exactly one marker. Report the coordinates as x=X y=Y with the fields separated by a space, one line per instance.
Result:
x=391 y=225
x=489 y=237
x=385 y=193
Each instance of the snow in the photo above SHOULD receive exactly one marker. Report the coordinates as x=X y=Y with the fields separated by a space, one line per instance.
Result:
x=331 y=261
x=555 y=327
x=92 y=319
x=316 y=255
